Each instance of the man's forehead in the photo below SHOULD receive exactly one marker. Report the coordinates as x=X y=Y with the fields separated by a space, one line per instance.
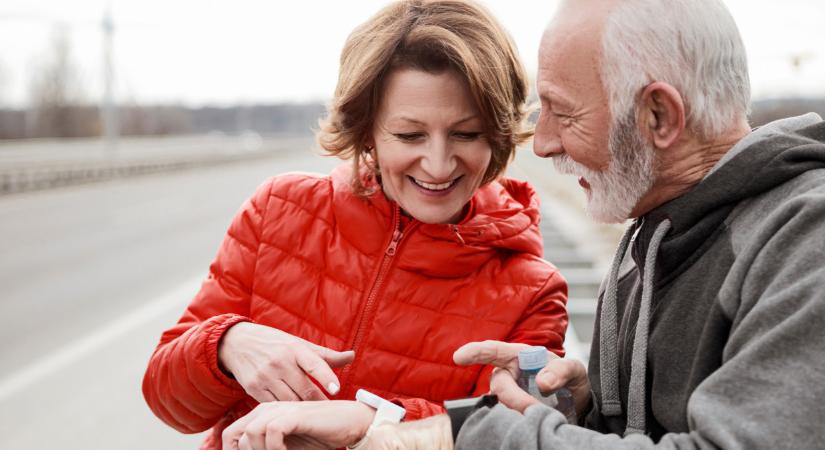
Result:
x=569 y=56
x=566 y=48
x=578 y=22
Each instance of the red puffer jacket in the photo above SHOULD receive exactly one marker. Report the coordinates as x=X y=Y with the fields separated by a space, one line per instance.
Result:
x=307 y=256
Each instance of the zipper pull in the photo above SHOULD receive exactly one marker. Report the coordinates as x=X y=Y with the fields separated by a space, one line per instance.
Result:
x=396 y=237
x=460 y=239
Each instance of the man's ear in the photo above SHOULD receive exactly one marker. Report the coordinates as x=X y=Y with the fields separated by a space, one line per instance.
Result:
x=662 y=114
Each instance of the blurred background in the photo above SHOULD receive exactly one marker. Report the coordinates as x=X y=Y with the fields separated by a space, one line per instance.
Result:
x=130 y=133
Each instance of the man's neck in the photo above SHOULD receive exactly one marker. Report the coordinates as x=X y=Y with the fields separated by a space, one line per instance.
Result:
x=684 y=166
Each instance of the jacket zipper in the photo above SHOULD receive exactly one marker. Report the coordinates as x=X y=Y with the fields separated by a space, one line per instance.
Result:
x=389 y=255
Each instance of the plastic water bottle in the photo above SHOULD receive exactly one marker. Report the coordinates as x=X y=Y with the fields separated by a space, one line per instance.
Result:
x=530 y=362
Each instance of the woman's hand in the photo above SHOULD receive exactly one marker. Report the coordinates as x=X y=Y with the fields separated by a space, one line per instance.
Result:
x=273 y=365
x=299 y=425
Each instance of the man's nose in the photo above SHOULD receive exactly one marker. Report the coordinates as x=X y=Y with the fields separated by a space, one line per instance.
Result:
x=439 y=162
x=547 y=141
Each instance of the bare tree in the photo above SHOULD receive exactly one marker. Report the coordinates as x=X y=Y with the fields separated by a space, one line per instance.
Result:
x=55 y=94
x=4 y=84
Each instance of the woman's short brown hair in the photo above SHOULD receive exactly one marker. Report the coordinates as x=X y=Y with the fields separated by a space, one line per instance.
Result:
x=433 y=36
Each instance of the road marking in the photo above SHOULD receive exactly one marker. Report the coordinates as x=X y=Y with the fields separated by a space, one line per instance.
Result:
x=82 y=347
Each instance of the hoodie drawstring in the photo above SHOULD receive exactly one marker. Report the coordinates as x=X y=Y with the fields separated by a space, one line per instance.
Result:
x=609 y=341
x=609 y=334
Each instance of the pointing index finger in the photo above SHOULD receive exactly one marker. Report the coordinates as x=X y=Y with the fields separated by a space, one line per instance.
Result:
x=497 y=353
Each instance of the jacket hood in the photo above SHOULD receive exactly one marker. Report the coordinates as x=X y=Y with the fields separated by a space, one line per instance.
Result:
x=503 y=217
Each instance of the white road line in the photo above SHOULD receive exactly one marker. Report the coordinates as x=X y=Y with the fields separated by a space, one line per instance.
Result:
x=82 y=347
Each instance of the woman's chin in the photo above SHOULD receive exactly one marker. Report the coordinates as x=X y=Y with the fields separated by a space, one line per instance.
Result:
x=435 y=215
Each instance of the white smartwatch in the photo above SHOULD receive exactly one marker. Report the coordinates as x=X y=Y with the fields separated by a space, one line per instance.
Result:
x=385 y=412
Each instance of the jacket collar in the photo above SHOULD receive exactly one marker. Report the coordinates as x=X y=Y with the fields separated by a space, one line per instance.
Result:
x=503 y=217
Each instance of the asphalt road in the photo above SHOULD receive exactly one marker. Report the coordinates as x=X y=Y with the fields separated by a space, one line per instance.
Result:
x=90 y=277
x=92 y=274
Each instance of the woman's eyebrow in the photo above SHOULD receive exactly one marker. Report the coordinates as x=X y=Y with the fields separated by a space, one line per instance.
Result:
x=418 y=122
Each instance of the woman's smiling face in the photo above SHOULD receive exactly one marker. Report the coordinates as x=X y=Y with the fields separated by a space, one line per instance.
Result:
x=429 y=143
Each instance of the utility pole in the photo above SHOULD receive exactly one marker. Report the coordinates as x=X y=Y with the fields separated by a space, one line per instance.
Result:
x=111 y=128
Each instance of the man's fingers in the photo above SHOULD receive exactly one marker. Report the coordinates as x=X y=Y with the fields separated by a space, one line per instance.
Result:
x=500 y=354
x=318 y=369
x=504 y=386
x=559 y=373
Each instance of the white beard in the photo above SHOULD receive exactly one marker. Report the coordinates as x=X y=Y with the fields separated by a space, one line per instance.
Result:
x=616 y=191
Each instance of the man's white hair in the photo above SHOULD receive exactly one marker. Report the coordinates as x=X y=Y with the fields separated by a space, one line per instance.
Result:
x=693 y=45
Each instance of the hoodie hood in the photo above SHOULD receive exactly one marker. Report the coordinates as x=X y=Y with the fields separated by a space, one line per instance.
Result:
x=503 y=217
x=668 y=239
x=769 y=156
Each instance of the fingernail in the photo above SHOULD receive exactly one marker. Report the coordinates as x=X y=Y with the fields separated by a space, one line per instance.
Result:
x=333 y=388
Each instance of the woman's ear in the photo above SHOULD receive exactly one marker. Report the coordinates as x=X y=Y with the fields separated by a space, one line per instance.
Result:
x=662 y=114
x=369 y=143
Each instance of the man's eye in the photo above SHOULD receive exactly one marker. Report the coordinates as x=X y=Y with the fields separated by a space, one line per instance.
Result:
x=468 y=135
x=407 y=137
x=564 y=118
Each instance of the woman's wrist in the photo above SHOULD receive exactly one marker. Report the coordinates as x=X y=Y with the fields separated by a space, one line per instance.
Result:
x=366 y=415
x=225 y=349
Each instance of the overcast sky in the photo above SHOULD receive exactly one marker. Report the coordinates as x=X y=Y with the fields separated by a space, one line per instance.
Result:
x=247 y=51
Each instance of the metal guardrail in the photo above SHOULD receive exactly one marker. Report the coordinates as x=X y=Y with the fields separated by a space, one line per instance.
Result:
x=38 y=178
x=583 y=287
x=37 y=165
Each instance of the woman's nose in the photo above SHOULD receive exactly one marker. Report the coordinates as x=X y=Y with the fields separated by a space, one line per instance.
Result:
x=439 y=162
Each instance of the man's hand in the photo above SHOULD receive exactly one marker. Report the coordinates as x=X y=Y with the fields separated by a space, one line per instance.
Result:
x=299 y=426
x=504 y=356
x=557 y=374
x=273 y=365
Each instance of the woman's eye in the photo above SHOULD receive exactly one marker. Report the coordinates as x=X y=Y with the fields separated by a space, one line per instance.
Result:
x=407 y=137
x=468 y=135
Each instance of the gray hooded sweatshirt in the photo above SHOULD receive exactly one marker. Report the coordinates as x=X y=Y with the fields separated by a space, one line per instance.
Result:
x=711 y=322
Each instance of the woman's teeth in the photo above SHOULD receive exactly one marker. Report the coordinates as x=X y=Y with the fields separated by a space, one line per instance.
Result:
x=435 y=187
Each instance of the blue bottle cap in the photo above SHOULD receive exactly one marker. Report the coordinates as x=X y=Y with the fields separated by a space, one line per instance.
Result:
x=533 y=358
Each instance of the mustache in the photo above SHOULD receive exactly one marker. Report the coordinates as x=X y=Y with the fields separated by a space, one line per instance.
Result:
x=565 y=164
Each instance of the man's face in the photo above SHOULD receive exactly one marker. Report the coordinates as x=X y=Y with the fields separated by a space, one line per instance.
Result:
x=614 y=193
x=612 y=160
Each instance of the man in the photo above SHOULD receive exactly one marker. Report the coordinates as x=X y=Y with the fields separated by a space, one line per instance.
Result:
x=709 y=331
x=710 y=323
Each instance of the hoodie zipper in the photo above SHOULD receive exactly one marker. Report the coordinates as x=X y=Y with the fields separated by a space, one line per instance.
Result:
x=369 y=306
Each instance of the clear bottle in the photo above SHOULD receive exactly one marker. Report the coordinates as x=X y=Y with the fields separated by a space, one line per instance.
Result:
x=530 y=362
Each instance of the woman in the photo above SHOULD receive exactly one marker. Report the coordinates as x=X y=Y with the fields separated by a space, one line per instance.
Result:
x=372 y=276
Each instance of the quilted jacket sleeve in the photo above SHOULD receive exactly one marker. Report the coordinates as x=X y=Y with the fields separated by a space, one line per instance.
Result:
x=544 y=322
x=183 y=384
